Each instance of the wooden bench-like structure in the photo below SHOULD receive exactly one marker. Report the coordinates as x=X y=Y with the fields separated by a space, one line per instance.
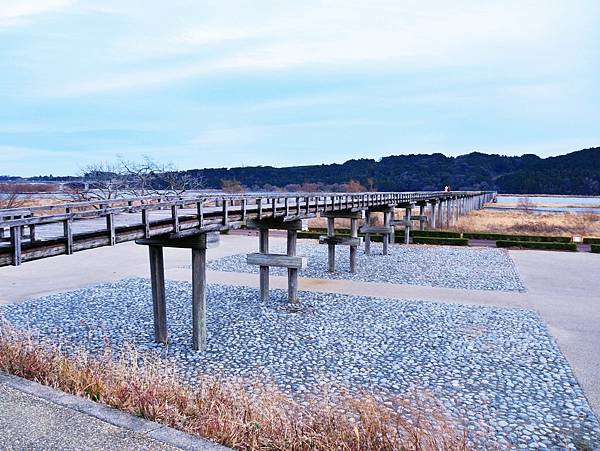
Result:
x=195 y=221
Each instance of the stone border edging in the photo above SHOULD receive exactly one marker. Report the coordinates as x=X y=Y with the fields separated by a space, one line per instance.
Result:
x=151 y=429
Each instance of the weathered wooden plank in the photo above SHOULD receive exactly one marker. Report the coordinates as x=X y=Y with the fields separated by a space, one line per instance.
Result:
x=277 y=260
x=340 y=240
x=380 y=230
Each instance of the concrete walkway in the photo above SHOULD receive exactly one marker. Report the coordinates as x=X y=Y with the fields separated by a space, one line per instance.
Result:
x=33 y=416
x=563 y=287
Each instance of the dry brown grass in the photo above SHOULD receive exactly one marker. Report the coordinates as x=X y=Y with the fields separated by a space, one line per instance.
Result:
x=581 y=224
x=235 y=413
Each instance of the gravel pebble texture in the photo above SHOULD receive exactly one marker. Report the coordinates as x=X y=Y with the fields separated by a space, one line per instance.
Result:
x=438 y=266
x=494 y=367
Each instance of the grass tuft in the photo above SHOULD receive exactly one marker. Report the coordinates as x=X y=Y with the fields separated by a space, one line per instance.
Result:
x=238 y=413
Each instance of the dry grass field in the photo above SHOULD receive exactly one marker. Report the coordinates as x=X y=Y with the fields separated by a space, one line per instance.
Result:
x=576 y=224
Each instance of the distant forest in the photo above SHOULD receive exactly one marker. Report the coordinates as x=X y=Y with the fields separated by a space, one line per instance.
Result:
x=573 y=173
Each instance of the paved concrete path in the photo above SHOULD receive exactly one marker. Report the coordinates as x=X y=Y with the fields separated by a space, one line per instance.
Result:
x=33 y=416
x=563 y=287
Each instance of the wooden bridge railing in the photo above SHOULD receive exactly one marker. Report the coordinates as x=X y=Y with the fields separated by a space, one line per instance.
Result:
x=212 y=212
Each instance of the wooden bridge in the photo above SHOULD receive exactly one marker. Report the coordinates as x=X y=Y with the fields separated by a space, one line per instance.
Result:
x=195 y=222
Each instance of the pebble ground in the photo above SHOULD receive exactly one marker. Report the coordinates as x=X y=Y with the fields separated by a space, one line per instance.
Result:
x=494 y=367
x=439 y=266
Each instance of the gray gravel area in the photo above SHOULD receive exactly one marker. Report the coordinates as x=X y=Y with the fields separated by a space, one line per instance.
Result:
x=494 y=367
x=438 y=266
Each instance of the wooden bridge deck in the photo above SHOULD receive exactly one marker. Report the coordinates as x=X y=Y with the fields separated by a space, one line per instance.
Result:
x=45 y=231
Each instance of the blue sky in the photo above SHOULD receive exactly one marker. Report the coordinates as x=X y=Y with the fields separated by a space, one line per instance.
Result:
x=233 y=83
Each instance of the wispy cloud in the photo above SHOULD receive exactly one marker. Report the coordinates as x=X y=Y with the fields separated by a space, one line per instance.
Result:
x=14 y=12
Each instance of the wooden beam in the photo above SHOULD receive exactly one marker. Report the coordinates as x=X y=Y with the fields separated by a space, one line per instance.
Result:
x=349 y=214
x=277 y=223
x=204 y=240
x=376 y=230
x=277 y=260
x=340 y=240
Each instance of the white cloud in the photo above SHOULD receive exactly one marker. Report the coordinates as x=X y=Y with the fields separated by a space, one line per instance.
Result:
x=14 y=10
x=168 y=44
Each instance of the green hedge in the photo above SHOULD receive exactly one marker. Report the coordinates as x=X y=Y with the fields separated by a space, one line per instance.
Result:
x=440 y=241
x=596 y=248
x=504 y=237
x=537 y=245
x=591 y=240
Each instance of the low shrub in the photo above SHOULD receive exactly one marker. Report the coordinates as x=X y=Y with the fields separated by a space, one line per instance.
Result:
x=596 y=248
x=440 y=241
x=537 y=245
x=238 y=413
x=505 y=237
x=590 y=240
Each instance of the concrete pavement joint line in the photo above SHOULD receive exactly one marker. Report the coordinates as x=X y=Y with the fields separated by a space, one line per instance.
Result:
x=158 y=432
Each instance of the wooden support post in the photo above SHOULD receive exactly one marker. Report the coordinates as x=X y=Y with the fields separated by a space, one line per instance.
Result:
x=199 y=299
x=200 y=213
x=243 y=213
x=157 y=277
x=432 y=222
x=175 y=218
x=110 y=226
x=441 y=214
x=353 y=249
x=15 y=241
x=68 y=233
x=146 y=222
x=225 y=212
x=287 y=206
x=407 y=224
x=260 y=208
x=263 y=237
x=422 y=217
x=392 y=235
x=386 y=237
x=331 y=246
x=292 y=238
x=367 y=235
x=274 y=206
x=32 y=233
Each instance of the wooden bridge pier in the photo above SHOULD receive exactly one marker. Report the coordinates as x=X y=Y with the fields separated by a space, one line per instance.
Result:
x=331 y=240
x=265 y=260
x=198 y=245
x=386 y=230
x=432 y=219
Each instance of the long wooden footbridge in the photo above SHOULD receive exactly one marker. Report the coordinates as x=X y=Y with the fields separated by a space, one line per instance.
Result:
x=195 y=222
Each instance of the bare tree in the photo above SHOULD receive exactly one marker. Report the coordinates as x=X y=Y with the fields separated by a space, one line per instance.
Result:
x=123 y=179
x=526 y=205
x=10 y=197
